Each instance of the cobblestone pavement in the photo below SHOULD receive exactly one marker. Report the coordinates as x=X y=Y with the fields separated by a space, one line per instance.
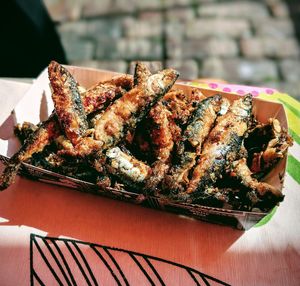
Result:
x=250 y=42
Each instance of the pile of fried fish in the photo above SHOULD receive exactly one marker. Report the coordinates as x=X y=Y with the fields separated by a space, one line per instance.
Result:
x=143 y=134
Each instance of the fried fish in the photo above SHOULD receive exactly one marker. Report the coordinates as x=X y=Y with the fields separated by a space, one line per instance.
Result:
x=101 y=95
x=221 y=147
x=198 y=128
x=127 y=111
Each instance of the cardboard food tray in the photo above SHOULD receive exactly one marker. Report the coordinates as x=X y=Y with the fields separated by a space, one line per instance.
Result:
x=36 y=105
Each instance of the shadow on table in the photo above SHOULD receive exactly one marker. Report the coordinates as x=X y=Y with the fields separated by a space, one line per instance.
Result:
x=62 y=212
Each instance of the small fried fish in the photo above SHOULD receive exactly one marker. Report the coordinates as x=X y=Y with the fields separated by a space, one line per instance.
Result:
x=67 y=102
x=127 y=111
x=162 y=143
x=259 y=192
x=141 y=74
x=35 y=143
x=201 y=122
x=50 y=128
x=221 y=147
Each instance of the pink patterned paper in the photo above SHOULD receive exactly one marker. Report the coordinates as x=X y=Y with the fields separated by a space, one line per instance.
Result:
x=234 y=88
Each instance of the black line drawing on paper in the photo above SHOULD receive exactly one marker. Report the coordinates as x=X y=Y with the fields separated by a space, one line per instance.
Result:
x=60 y=261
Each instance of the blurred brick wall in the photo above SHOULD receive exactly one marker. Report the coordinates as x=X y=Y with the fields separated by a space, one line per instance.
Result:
x=241 y=41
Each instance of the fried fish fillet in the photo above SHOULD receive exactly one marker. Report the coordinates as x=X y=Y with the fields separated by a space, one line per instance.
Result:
x=198 y=128
x=102 y=94
x=221 y=147
x=127 y=111
x=67 y=102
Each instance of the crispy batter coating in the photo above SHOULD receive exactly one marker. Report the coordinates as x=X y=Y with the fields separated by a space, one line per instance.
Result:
x=127 y=111
x=99 y=96
x=181 y=104
x=67 y=102
x=166 y=119
x=160 y=133
x=162 y=143
x=23 y=131
x=178 y=177
x=141 y=74
x=194 y=141
x=50 y=128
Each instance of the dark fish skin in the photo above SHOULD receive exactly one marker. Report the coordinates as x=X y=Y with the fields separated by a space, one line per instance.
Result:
x=201 y=122
x=197 y=130
x=36 y=142
x=221 y=148
x=210 y=169
x=259 y=192
x=124 y=114
x=67 y=102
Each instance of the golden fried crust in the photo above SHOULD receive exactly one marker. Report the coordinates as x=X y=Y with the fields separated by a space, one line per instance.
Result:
x=84 y=147
x=41 y=137
x=162 y=143
x=141 y=74
x=125 y=112
x=67 y=102
x=123 y=81
x=103 y=93
x=100 y=96
x=181 y=104
x=160 y=132
x=178 y=177
x=174 y=108
x=23 y=131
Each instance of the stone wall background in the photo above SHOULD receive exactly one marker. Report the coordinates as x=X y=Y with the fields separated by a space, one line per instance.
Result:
x=250 y=42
